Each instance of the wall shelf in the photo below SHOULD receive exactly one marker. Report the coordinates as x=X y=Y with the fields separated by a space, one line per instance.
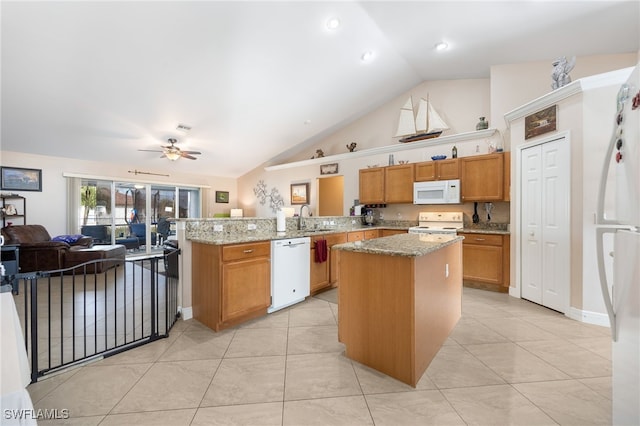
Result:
x=459 y=137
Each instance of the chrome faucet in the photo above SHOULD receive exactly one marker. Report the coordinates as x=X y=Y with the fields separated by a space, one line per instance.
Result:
x=300 y=215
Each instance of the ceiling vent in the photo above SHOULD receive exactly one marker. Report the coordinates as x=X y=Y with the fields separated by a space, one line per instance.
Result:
x=183 y=128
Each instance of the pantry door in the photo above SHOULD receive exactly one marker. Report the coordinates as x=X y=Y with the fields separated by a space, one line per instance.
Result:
x=545 y=224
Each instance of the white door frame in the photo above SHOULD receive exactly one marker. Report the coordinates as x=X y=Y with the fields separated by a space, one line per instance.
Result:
x=516 y=235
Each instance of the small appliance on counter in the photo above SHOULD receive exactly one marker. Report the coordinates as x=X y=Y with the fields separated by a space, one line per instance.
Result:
x=368 y=216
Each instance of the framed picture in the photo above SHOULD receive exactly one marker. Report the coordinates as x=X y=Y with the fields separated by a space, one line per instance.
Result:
x=299 y=193
x=18 y=179
x=328 y=169
x=222 y=196
x=540 y=122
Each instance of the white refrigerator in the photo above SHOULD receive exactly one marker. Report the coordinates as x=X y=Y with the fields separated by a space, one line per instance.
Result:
x=618 y=218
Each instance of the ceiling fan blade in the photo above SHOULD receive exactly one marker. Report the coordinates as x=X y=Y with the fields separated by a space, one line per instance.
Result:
x=185 y=155
x=150 y=150
x=192 y=152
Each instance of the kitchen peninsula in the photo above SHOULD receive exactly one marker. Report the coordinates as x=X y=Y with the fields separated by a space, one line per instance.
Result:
x=399 y=298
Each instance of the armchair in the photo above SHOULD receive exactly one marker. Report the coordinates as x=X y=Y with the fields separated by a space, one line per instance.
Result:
x=38 y=251
x=139 y=230
x=99 y=233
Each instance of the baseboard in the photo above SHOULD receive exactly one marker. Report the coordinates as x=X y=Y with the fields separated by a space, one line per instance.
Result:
x=187 y=313
x=514 y=292
x=589 y=317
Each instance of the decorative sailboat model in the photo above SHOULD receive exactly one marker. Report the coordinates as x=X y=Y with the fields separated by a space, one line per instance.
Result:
x=426 y=124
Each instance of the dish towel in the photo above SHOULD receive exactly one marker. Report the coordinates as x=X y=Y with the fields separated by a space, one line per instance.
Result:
x=321 y=251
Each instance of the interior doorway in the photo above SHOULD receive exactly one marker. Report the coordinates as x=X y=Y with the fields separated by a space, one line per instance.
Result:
x=331 y=196
x=545 y=223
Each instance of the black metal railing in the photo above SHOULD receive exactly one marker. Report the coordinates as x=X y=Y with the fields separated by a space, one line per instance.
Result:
x=96 y=309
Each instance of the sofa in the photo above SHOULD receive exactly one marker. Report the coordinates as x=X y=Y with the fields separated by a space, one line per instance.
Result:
x=39 y=252
x=139 y=230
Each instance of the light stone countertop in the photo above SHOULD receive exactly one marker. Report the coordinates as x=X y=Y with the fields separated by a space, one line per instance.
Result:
x=221 y=238
x=485 y=231
x=408 y=245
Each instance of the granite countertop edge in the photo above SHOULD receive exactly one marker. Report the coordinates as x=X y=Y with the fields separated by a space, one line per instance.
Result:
x=405 y=245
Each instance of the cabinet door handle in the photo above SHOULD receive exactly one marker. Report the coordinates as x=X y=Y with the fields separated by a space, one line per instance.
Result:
x=248 y=251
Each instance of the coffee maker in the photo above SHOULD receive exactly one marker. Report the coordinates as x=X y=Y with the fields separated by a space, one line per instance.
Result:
x=368 y=216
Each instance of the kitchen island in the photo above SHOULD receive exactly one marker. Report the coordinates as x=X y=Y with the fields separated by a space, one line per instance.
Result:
x=399 y=299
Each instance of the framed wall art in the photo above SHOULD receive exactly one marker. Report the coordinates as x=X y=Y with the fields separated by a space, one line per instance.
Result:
x=299 y=193
x=19 y=179
x=540 y=122
x=329 y=169
x=222 y=196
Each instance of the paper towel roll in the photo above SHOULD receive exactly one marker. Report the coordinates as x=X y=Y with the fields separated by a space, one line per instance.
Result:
x=281 y=222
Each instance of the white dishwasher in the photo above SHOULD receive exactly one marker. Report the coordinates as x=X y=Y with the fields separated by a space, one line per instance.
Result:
x=289 y=271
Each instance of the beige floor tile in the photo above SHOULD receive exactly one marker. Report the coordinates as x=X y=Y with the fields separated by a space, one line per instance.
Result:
x=455 y=367
x=278 y=319
x=320 y=376
x=372 y=381
x=573 y=360
x=569 y=402
x=515 y=364
x=427 y=407
x=93 y=390
x=151 y=418
x=598 y=345
x=144 y=354
x=310 y=316
x=304 y=340
x=602 y=385
x=73 y=421
x=516 y=329
x=310 y=303
x=567 y=328
x=247 y=381
x=347 y=411
x=495 y=405
x=470 y=331
x=258 y=342
x=169 y=385
x=267 y=414
x=46 y=384
x=192 y=345
x=482 y=310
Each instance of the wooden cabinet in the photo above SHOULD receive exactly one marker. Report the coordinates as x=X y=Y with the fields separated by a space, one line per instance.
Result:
x=231 y=283
x=371 y=185
x=437 y=170
x=387 y=232
x=14 y=210
x=482 y=177
x=325 y=274
x=380 y=185
x=486 y=261
x=398 y=184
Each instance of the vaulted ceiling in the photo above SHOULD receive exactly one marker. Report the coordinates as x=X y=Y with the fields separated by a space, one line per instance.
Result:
x=101 y=80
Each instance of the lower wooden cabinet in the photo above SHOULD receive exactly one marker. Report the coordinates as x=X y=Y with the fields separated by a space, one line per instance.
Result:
x=387 y=232
x=325 y=274
x=230 y=283
x=485 y=261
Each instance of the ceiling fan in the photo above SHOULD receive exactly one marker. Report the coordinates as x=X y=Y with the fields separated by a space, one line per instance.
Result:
x=172 y=152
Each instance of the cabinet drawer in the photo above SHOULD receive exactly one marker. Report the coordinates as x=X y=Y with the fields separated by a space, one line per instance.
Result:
x=336 y=239
x=371 y=234
x=355 y=236
x=483 y=239
x=245 y=251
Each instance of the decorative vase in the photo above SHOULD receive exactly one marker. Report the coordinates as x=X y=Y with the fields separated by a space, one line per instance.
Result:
x=482 y=124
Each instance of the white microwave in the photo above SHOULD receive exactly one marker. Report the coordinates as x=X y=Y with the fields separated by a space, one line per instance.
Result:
x=437 y=192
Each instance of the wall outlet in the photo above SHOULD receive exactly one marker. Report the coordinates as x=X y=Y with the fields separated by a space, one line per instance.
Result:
x=251 y=227
x=217 y=228
x=446 y=270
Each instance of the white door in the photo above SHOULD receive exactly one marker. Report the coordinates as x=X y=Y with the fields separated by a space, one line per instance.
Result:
x=545 y=224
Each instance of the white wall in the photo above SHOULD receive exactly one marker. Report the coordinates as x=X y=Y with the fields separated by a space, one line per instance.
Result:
x=49 y=207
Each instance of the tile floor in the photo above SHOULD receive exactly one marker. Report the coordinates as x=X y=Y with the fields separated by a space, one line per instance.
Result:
x=508 y=361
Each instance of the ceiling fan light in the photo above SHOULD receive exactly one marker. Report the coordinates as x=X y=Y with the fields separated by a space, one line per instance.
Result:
x=173 y=156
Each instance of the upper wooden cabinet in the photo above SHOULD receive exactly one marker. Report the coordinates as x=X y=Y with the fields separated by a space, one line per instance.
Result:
x=482 y=177
x=398 y=183
x=393 y=184
x=437 y=170
x=372 y=185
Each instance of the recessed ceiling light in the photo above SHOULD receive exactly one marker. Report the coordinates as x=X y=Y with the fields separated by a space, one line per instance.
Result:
x=333 y=23
x=307 y=121
x=441 y=46
x=367 y=56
